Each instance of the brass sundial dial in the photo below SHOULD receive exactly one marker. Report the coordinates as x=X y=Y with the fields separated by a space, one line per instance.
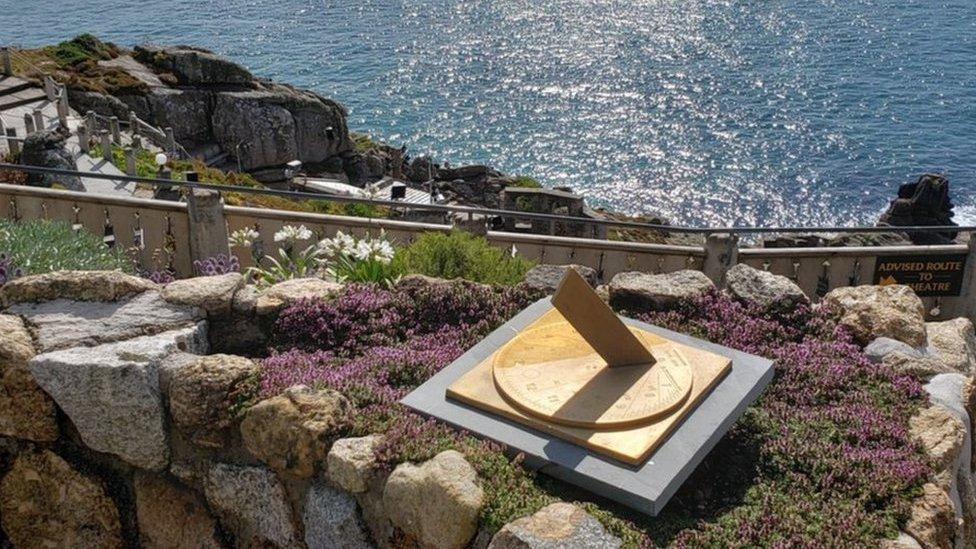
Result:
x=579 y=373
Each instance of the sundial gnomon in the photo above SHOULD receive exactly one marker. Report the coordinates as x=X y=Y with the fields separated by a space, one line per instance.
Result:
x=578 y=372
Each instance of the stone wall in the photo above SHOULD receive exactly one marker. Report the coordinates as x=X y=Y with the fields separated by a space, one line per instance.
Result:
x=125 y=421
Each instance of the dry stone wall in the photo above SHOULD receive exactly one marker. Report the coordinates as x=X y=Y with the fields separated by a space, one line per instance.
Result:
x=119 y=428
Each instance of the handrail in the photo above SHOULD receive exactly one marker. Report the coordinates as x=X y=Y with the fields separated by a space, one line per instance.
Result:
x=467 y=210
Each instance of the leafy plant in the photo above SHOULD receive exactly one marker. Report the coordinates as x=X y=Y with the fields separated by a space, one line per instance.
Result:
x=360 y=260
x=7 y=269
x=43 y=246
x=461 y=255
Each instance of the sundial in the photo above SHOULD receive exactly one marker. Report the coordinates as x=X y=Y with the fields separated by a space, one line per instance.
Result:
x=619 y=407
x=579 y=373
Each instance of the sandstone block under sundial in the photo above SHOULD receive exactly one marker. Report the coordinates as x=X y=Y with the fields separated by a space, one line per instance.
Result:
x=617 y=406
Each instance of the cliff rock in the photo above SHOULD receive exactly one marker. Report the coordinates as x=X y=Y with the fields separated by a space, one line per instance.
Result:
x=923 y=203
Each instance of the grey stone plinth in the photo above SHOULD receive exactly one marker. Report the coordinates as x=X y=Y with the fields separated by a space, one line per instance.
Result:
x=646 y=488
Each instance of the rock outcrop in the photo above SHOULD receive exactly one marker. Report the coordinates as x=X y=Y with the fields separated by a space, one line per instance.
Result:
x=880 y=311
x=73 y=285
x=213 y=294
x=283 y=294
x=642 y=291
x=26 y=411
x=545 y=279
x=290 y=432
x=331 y=519
x=47 y=149
x=436 y=503
x=768 y=290
x=206 y=397
x=351 y=462
x=924 y=203
x=45 y=502
x=111 y=393
x=171 y=516
x=556 y=526
x=253 y=504
x=954 y=343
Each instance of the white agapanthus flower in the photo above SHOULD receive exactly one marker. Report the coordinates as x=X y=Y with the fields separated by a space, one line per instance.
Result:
x=291 y=233
x=340 y=245
x=373 y=249
x=243 y=238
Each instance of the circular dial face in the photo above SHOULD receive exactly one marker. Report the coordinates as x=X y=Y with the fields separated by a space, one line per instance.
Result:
x=552 y=373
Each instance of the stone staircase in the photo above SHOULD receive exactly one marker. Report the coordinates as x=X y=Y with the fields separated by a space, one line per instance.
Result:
x=17 y=92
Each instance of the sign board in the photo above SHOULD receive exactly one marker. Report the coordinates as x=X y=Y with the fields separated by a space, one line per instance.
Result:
x=928 y=275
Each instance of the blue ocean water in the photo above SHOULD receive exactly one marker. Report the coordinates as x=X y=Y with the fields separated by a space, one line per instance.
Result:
x=707 y=111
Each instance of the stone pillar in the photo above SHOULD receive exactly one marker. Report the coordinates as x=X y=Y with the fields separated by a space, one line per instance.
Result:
x=136 y=142
x=29 y=123
x=63 y=108
x=91 y=122
x=12 y=145
x=130 y=161
x=133 y=124
x=721 y=252
x=84 y=139
x=39 y=120
x=6 y=62
x=170 y=142
x=113 y=126
x=106 y=142
x=49 y=90
x=208 y=228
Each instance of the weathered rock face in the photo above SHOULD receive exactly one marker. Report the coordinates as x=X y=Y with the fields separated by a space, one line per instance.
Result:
x=636 y=290
x=545 y=278
x=279 y=124
x=932 y=520
x=73 y=285
x=61 y=324
x=351 y=462
x=768 y=290
x=922 y=366
x=253 y=505
x=283 y=294
x=436 y=503
x=923 y=203
x=44 y=502
x=290 y=432
x=240 y=332
x=25 y=410
x=213 y=294
x=192 y=66
x=881 y=347
x=941 y=434
x=556 y=526
x=204 y=396
x=880 y=311
x=331 y=519
x=111 y=393
x=953 y=342
x=47 y=150
x=170 y=516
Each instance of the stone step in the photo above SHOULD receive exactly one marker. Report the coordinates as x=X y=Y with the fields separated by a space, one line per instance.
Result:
x=15 y=88
x=24 y=97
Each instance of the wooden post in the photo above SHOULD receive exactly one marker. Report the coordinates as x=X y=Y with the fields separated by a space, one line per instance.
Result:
x=8 y=66
x=968 y=295
x=29 y=123
x=106 y=143
x=39 y=120
x=12 y=145
x=130 y=161
x=170 y=142
x=113 y=126
x=84 y=139
x=721 y=252
x=208 y=228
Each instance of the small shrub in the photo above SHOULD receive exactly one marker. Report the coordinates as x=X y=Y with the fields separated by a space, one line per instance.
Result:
x=461 y=255
x=526 y=182
x=82 y=48
x=43 y=246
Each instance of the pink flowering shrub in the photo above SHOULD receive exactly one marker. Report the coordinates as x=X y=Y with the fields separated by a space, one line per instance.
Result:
x=823 y=458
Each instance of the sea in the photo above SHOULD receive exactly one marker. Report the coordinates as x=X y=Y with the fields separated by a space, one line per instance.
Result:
x=706 y=112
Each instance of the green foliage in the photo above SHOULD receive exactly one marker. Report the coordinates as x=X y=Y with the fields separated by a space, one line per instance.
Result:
x=362 y=142
x=81 y=48
x=461 y=255
x=43 y=246
x=527 y=182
